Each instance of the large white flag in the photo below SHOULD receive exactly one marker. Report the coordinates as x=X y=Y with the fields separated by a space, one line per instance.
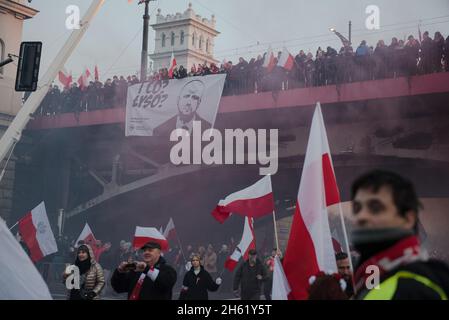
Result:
x=158 y=107
x=281 y=288
x=19 y=279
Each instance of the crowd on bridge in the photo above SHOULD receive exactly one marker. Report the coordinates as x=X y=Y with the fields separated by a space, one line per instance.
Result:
x=328 y=67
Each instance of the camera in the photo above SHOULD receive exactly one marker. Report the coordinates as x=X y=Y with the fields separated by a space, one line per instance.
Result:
x=131 y=266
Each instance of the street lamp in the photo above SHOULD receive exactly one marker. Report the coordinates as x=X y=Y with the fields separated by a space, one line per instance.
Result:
x=144 y=57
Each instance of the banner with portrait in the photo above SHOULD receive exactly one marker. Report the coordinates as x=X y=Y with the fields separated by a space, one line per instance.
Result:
x=160 y=106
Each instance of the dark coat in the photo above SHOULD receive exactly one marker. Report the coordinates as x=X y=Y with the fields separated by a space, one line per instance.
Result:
x=197 y=285
x=165 y=129
x=246 y=278
x=161 y=289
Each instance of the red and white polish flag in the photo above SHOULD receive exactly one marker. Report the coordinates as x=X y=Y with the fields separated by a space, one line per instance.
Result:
x=83 y=80
x=170 y=231
x=254 y=201
x=310 y=249
x=87 y=236
x=65 y=78
x=286 y=60
x=172 y=65
x=36 y=232
x=247 y=243
x=269 y=61
x=144 y=235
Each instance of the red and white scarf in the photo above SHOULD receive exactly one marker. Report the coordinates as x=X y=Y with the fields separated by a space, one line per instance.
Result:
x=403 y=252
x=138 y=287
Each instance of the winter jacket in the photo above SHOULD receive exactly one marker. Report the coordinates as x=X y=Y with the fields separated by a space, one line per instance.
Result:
x=246 y=278
x=160 y=289
x=93 y=279
x=196 y=287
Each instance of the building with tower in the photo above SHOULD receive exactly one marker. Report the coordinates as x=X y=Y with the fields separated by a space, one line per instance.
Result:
x=189 y=36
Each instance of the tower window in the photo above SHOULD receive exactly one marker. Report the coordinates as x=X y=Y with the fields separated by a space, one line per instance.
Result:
x=182 y=38
x=172 y=40
x=163 y=40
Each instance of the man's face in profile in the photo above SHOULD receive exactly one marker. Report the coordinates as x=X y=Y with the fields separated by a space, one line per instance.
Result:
x=190 y=98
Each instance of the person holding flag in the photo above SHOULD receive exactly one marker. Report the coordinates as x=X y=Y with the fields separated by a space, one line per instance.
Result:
x=151 y=279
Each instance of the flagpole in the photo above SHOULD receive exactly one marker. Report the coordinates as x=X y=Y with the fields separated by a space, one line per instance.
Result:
x=180 y=246
x=14 y=225
x=345 y=235
x=275 y=231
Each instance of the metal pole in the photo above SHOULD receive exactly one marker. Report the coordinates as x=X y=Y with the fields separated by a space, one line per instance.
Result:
x=144 y=61
x=350 y=33
x=345 y=235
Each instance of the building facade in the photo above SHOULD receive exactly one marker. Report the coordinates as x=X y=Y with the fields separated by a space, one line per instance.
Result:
x=190 y=37
x=12 y=15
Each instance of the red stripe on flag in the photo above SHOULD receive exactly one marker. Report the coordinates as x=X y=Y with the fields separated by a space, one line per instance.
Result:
x=252 y=245
x=230 y=264
x=300 y=262
x=28 y=234
x=330 y=183
x=220 y=214
x=255 y=208
x=290 y=63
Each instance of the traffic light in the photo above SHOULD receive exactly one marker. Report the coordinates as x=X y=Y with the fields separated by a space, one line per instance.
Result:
x=28 y=67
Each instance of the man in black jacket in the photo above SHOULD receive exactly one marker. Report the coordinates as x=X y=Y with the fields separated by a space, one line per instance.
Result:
x=250 y=276
x=152 y=279
x=392 y=265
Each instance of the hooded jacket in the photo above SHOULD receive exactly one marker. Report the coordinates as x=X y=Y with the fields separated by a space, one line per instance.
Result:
x=94 y=277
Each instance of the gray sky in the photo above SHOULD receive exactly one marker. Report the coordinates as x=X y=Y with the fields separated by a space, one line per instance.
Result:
x=114 y=39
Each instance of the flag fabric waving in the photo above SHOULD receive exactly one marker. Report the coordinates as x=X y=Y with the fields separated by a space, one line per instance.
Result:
x=269 y=61
x=286 y=60
x=65 y=78
x=172 y=66
x=87 y=236
x=36 y=232
x=170 y=231
x=309 y=247
x=144 y=235
x=254 y=201
x=19 y=278
x=281 y=288
x=247 y=243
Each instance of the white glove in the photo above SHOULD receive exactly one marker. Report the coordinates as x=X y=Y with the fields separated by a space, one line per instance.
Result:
x=218 y=281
